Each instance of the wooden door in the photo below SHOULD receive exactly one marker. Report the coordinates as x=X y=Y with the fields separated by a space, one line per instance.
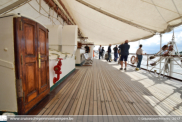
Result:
x=34 y=69
x=43 y=58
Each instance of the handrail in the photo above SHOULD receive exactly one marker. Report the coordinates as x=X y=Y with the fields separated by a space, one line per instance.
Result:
x=147 y=62
x=157 y=55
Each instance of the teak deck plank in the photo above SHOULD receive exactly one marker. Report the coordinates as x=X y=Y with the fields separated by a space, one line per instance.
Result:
x=161 y=105
x=52 y=102
x=102 y=89
x=63 y=97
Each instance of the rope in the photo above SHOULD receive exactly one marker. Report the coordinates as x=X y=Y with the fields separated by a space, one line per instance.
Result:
x=52 y=14
x=158 y=11
x=49 y=8
x=49 y=13
x=33 y=8
x=62 y=9
x=177 y=9
x=16 y=7
x=38 y=11
x=39 y=5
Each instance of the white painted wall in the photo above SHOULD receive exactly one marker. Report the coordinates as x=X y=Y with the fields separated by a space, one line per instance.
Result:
x=69 y=39
x=68 y=65
x=56 y=40
x=8 y=99
x=78 y=56
x=55 y=33
x=91 y=50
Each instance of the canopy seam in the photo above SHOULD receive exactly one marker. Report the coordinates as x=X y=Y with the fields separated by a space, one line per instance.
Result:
x=116 y=17
x=159 y=12
x=177 y=9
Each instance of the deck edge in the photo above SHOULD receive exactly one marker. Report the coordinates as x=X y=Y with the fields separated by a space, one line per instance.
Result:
x=61 y=80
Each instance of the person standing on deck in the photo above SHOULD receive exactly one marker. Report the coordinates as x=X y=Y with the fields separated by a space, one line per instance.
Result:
x=115 y=53
x=103 y=52
x=87 y=49
x=124 y=54
x=100 y=51
x=119 y=52
x=139 y=54
x=109 y=53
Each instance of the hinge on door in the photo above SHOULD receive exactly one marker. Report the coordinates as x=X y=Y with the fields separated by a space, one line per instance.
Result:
x=21 y=59
x=20 y=25
x=19 y=88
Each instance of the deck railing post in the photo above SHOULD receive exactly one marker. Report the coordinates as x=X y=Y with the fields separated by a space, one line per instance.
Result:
x=160 y=54
x=147 y=63
x=171 y=59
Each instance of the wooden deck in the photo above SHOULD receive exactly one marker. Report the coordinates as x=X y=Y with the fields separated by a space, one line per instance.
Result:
x=102 y=89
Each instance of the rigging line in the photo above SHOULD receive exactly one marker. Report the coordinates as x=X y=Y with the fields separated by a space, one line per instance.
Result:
x=39 y=12
x=177 y=9
x=160 y=6
x=40 y=5
x=48 y=13
x=16 y=7
x=61 y=8
x=52 y=8
x=159 y=11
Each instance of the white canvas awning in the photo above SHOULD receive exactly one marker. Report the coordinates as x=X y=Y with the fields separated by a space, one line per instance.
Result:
x=107 y=21
x=113 y=21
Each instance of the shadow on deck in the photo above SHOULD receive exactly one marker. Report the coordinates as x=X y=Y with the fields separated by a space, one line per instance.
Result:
x=102 y=89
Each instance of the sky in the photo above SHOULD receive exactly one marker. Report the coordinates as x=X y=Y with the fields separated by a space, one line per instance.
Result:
x=152 y=45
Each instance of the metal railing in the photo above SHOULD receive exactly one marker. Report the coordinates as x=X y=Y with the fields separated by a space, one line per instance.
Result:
x=146 y=65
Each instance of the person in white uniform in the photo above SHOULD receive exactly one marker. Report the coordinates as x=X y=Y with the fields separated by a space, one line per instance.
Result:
x=139 y=54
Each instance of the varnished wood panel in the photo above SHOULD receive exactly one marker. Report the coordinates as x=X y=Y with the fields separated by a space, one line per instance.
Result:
x=29 y=62
x=30 y=77
x=42 y=41
x=43 y=50
x=43 y=71
x=32 y=96
x=29 y=39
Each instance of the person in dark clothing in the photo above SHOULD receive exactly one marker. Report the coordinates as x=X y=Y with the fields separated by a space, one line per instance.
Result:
x=103 y=51
x=109 y=53
x=115 y=53
x=124 y=54
x=87 y=49
x=100 y=51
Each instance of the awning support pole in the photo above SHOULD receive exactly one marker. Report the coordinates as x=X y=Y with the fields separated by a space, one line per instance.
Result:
x=171 y=60
x=160 y=51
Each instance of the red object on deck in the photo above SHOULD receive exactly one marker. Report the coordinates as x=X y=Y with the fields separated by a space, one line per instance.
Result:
x=57 y=69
